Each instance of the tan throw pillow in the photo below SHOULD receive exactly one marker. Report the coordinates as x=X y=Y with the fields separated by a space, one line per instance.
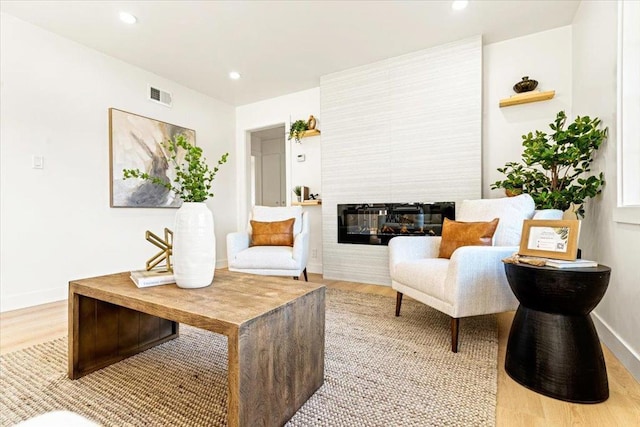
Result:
x=456 y=234
x=276 y=233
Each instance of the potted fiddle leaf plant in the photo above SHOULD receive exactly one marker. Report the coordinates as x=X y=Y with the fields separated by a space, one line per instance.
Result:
x=194 y=250
x=555 y=168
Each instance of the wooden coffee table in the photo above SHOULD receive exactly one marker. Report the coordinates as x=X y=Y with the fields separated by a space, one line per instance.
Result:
x=274 y=326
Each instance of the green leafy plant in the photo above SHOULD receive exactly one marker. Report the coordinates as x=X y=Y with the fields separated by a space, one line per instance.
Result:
x=556 y=166
x=297 y=129
x=193 y=177
x=297 y=190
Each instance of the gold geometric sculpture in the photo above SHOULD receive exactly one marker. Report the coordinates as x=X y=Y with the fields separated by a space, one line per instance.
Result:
x=166 y=247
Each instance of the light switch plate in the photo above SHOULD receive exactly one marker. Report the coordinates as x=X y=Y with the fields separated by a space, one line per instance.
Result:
x=38 y=162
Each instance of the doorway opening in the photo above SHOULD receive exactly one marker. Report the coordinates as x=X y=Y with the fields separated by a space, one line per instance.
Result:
x=268 y=167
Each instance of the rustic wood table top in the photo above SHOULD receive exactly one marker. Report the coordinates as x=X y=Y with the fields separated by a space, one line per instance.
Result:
x=232 y=300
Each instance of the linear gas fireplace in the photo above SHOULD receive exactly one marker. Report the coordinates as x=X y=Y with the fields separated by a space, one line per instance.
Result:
x=377 y=223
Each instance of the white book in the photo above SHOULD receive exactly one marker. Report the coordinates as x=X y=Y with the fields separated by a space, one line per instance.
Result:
x=144 y=278
x=579 y=263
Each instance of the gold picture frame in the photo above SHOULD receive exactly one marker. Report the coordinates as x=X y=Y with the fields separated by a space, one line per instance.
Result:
x=557 y=239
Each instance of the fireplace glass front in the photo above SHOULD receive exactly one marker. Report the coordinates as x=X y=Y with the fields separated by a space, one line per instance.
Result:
x=377 y=223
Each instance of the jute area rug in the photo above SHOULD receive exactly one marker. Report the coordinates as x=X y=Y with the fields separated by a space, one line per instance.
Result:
x=379 y=371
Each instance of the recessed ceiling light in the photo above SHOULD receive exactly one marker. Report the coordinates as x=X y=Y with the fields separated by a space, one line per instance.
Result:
x=234 y=75
x=459 y=4
x=128 y=18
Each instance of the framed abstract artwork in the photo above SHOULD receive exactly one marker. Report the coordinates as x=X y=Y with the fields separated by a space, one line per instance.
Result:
x=138 y=142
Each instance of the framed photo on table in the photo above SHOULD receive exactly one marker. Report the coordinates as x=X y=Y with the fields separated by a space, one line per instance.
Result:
x=556 y=239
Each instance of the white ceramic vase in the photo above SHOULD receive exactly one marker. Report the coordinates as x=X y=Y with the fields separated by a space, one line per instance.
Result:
x=194 y=246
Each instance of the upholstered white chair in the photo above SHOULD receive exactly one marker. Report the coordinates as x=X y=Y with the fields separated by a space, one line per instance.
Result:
x=271 y=260
x=473 y=281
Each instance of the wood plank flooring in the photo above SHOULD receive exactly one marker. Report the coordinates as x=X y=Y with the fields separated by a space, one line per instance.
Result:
x=517 y=406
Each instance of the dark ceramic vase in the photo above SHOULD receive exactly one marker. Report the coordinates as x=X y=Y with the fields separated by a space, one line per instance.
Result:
x=525 y=85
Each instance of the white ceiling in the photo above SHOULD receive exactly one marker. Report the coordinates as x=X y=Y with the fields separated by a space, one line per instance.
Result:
x=279 y=47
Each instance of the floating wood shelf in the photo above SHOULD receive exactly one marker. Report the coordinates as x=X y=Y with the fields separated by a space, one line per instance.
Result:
x=310 y=133
x=307 y=203
x=524 y=98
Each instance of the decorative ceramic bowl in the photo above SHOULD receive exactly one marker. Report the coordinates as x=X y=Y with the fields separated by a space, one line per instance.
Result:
x=525 y=85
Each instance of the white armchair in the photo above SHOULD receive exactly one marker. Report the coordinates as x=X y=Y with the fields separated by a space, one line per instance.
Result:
x=271 y=260
x=472 y=282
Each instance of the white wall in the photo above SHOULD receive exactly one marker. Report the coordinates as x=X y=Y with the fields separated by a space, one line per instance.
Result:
x=308 y=172
x=284 y=110
x=56 y=223
x=545 y=57
x=612 y=243
x=628 y=112
x=406 y=129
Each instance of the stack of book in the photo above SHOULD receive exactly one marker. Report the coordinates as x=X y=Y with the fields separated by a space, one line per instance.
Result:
x=579 y=263
x=144 y=278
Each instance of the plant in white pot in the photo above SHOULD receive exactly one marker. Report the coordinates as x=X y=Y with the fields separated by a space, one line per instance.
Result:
x=194 y=245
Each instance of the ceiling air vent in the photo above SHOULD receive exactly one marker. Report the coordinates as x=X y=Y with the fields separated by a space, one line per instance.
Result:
x=160 y=96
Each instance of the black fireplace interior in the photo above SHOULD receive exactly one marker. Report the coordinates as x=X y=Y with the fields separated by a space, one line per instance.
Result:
x=377 y=223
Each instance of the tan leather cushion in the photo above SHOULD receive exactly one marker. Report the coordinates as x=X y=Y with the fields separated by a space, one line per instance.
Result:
x=456 y=234
x=276 y=233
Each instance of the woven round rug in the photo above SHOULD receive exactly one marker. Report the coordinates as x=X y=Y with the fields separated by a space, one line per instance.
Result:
x=380 y=370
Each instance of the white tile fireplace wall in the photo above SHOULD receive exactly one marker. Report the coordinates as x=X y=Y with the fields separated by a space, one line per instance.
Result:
x=406 y=129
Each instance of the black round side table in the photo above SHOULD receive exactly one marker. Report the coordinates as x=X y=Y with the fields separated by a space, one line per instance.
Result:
x=553 y=347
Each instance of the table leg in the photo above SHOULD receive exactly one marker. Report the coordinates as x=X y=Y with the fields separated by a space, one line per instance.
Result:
x=101 y=333
x=557 y=355
x=276 y=362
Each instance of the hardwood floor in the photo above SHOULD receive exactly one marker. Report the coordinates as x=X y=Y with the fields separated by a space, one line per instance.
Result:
x=517 y=406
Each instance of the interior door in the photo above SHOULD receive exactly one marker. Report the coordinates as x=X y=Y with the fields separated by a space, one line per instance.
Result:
x=272 y=180
x=268 y=168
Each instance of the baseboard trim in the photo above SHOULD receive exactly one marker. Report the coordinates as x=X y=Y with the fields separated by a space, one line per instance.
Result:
x=314 y=267
x=618 y=346
x=30 y=299
x=348 y=278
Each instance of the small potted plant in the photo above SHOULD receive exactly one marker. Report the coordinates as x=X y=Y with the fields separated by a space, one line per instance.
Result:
x=556 y=166
x=297 y=190
x=513 y=184
x=297 y=129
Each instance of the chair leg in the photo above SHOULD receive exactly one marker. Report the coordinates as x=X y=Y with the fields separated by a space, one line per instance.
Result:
x=398 y=303
x=455 y=324
x=295 y=277
x=305 y=274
